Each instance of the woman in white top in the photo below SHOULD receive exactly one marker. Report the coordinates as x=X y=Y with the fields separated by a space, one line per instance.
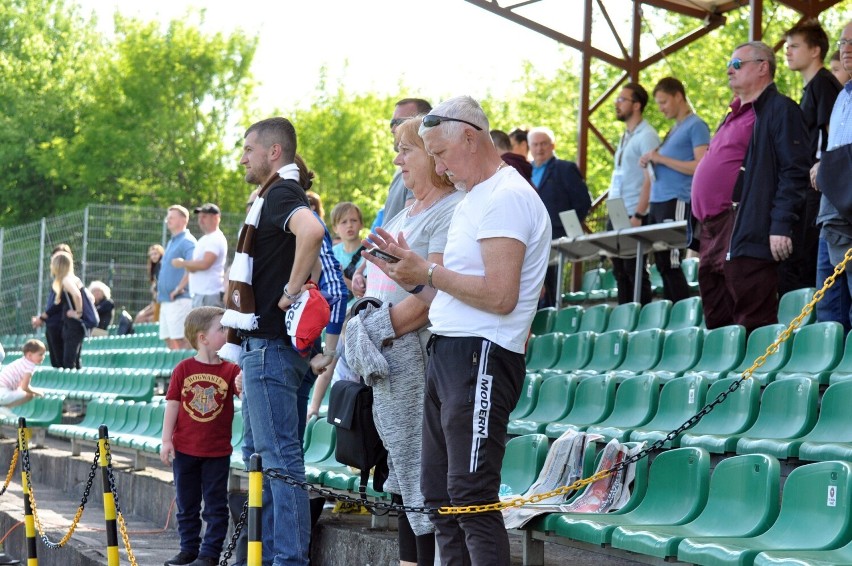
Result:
x=73 y=330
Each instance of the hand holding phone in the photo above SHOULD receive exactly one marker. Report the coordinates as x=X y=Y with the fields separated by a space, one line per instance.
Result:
x=384 y=256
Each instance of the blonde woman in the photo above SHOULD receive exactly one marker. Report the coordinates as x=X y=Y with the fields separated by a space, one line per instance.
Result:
x=151 y=313
x=68 y=285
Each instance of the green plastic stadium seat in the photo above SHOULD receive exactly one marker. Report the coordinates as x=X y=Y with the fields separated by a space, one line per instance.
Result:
x=686 y=312
x=643 y=352
x=546 y=353
x=530 y=347
x=593 y=401
x=817 y=349
x=595 y=319
x=680 y=399
x=843 y=371
x=791 y=304
x=733 y=416
x=654 y=315
x=323 y=439
x=656 y=279
x=142 y=422
x=788 y=410
x=576 y=353
x=678 y=483
x=149 y=439
x=608 y=288
x=591 y=281
x=543 y=321
x=555 y=398
x=722 y=351
x=94 y=417
x=831 y=437
x=681 y=351
x=760 y=339
x=635 y=404
x=529 y=397
x=814 y=515
x=742 y=502
x=568 y=320
x=689 y=266
x=607 y=354
x=522 y=462
x=624 y=317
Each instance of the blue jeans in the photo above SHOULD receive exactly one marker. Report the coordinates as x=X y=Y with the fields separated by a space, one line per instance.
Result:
x=198 y=478
x=272 y=376
x=836 y=304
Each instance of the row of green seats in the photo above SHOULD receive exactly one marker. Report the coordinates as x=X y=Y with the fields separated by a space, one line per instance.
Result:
x=816 y=350
x=125 y=342
x=39 y=412
x=94 y=384
x=600 y=284
x=786 y=419
x=157 y=361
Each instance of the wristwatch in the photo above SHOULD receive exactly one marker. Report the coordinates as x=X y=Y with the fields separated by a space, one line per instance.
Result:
x=329 y=353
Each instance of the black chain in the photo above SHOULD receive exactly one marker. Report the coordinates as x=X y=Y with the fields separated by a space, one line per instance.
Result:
x=92 y=471
x=238 y=528
x=111 y=477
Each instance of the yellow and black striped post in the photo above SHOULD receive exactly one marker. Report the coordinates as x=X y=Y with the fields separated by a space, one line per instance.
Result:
x=255 y=502
x=109 y=501
x=29 y=522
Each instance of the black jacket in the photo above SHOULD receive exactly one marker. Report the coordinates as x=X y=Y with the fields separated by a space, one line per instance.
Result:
x=775 y=177
x=563 y=188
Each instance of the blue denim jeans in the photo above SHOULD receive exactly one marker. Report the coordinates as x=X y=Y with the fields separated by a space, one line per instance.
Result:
x=272 y=376
x=836 y=304
x=198 y=478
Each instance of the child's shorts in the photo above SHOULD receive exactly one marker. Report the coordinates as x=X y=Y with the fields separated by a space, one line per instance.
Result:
x=9 y=396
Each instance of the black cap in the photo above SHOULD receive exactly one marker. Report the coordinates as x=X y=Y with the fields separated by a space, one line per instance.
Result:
x=208 y=208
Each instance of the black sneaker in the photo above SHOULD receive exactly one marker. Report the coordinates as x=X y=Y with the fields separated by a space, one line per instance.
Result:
x=181 y=559
x=204 y=561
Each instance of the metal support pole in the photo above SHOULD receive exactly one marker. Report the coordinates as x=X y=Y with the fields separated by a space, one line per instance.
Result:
x=255 y=509
x=85 y=244
x=109 y=500
x=29 y=522
x=41 y=264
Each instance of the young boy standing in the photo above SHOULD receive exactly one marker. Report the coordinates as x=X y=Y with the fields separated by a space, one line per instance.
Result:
x=197 y=438
x=15 y=378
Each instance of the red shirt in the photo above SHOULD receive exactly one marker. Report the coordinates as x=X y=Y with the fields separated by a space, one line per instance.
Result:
x=716 y=174
x=206 y=396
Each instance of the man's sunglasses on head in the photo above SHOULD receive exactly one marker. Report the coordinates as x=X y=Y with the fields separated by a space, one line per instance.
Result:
x=433 y=120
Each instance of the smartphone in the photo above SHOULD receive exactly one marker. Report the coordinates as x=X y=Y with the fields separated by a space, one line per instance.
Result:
x=376 y=252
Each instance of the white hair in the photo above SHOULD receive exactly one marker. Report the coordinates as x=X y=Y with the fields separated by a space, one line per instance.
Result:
x=542 y=130
x=102 y=287
x=461 y=107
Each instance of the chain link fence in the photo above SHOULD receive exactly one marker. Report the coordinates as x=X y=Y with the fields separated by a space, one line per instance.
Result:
x=110 y=244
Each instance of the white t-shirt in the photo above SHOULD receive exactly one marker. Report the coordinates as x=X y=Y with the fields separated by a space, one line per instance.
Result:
x=503 y=206
x=212 y=280
x=13 y=374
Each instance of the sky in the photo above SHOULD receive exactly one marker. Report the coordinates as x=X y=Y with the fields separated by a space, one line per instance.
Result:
x=436 y=48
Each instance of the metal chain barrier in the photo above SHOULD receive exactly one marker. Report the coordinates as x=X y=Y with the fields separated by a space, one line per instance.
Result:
x=563 y=490
x=122 y=526
x=238 y=528
x=11 y=472
x=76 y=521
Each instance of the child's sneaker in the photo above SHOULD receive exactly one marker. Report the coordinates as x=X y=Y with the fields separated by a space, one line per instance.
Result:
x=181 y=559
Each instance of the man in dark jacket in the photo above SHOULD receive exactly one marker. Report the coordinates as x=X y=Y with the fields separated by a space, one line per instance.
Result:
x=561 y=187
x=748 y=193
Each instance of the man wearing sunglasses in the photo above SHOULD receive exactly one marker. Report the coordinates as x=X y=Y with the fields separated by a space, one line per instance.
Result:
x=748 y=192
x=482 y=302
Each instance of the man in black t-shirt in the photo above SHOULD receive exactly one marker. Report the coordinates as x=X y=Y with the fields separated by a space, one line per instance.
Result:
x=806 y=50
x=286 y=246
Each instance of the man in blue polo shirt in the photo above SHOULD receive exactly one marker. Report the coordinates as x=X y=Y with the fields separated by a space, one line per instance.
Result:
x=173 y=282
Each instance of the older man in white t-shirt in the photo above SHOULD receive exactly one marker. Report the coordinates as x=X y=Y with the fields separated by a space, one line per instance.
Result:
x=207 y=267
x=483 y=300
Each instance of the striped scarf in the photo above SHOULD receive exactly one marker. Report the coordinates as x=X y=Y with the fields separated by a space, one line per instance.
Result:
x=240 y=307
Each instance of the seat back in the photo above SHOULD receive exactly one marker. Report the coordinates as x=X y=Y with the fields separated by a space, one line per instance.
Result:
x=624 y=317
x=543 y=321
x=834 y=422
x=681 y=350
x=522 y=462
x=680 y=398
x=635 y=403
x=686 y=312
x=788 y=409
x=608 y=352
x=758 y=341
x=546 y=352
x=735 y=414
x=654 y=315
x=816 y=348
x=529 y=397
x=323 y=440
x=689 y=266
x=814 y=509
x=592 y=280
x=643 y=350
x=576 y=352
x=791 y=304
x=723 y=349
x=568 y=320
x=678 y=483
x=595 y=318
x=555 y=398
